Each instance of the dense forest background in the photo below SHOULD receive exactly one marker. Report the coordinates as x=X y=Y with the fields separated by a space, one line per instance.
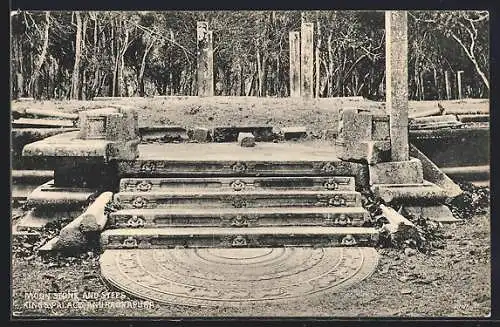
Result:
x=81 y=55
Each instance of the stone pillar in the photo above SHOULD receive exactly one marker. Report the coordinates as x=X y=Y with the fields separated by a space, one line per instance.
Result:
x=294 y=38
x=205 y=60
x=459 y=83
x=396 y=65
x=447 y=84
x=306 y=60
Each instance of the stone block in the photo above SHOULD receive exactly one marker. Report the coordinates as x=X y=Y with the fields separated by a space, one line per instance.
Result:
x=130 y=126
x=380 y=128
x=294 y=133
x=397 y=172
x=356 y=126
x=438 y=212
x=92 y=123
x=246 y=140
x=163 y=133
x=201 y=134
x=413 y=193
x=123 y=150
x=371 y=152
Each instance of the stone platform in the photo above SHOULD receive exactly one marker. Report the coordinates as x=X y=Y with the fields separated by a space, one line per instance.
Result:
x=235 y=277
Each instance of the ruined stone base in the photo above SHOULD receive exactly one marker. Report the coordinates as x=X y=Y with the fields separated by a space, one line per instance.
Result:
x=49 y=197
x=397 y=172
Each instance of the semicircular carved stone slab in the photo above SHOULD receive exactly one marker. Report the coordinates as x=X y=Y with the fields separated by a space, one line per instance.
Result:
x=237 y=276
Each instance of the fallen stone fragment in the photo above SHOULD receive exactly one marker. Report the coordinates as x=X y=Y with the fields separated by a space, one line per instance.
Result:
x=438 y=212
x=396 y=220
x=73 y=236
x=94 y=218
x=294 y=133
x=246 y=140
x=409 y=193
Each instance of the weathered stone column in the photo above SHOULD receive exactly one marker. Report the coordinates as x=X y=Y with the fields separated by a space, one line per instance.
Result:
x=459 y=83
x=294 y=38
x=306 y=60
x=447 y=84
x=396 y=65
x=205 y=60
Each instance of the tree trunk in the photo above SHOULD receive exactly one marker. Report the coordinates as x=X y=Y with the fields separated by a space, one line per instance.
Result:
x=318 y=66
x=143 y=66
x=41 y=59
x=75 y=79
x=259 y=73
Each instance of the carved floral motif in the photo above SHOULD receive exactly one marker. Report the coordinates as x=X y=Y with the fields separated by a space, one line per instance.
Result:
x=348 y=240
x=139 y=202
x=144 y=186
x=129 y=242
x=135 y=222
x=238 y=185
x=148 y=167
x=328 y=168
x=239 y=202
x=239 y=167
x=331 y=184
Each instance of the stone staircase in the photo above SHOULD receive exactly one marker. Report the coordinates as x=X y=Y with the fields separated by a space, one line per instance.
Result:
x=200 y=208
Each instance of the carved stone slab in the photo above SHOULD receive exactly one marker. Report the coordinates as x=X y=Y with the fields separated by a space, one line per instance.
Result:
x=242 y=237
x=237 y=184
x=229 y=199
x=236 y=276
x=250 y=217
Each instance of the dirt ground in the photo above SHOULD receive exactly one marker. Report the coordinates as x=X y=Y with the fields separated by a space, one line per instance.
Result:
x=449 y=282
x=453 y=281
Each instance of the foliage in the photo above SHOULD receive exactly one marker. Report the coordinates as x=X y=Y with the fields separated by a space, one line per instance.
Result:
x=154 y=53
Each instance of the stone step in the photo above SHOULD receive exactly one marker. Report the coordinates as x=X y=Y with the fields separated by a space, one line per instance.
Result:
x=237 y=237
x=187 y=198
x=237 y=183
x=238 y=217
x=231 y=160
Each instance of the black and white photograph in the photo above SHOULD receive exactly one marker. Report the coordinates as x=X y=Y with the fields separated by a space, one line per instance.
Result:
x=250 y=163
